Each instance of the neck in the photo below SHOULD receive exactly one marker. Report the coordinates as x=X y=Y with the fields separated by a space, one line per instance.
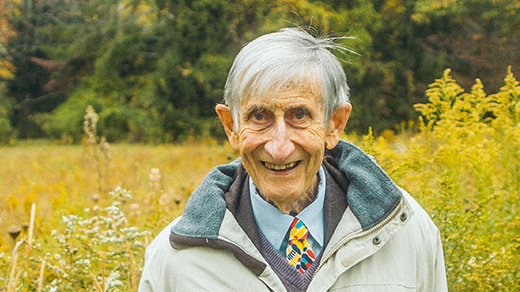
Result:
x=294 y=207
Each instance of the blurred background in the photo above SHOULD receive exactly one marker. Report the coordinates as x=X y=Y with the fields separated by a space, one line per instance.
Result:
x=155 y=69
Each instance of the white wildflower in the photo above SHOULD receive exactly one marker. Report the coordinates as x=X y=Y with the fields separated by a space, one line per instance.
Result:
x=155 y=175
x=113 y=281
x=112 y=210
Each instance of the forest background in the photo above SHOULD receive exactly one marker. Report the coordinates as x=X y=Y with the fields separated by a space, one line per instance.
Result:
x=154 y=70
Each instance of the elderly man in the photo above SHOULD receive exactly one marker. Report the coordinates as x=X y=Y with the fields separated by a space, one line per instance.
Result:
x=301 y=210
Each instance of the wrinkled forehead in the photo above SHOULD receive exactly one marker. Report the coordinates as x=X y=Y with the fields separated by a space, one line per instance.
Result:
x=308 y=88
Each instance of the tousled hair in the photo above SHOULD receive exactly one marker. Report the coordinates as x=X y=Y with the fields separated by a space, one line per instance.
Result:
x=284 y=59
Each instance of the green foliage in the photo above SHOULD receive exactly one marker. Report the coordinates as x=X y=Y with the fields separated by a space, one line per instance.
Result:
x=118 y=122
x=115 y=124
x=149 y=58
x=6 y=131
x=66 y=122
x=178 y=124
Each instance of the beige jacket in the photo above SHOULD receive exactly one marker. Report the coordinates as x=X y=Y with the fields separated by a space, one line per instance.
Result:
x=400 y=251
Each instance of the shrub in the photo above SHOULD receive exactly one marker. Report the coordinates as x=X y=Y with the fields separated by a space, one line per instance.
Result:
x=115 y=124
x=6 y=131
x=66 y=122
x=473 y=163
x=464 y=168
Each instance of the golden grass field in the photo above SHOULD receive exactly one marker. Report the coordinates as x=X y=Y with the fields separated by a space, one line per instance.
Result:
x=462 y=164
x=64 y=179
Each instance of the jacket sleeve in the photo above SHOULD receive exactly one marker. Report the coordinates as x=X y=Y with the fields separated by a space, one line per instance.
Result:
x=431 y=271
x=441 y=283
x=156 y=276
x=148 y=282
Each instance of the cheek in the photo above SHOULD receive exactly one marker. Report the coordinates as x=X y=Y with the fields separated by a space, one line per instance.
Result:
x=313 y=139
x=249 y=140
x=249 y=144
x=313 y=142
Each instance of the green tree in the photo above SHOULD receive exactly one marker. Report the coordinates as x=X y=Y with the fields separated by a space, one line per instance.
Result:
x=160 y=66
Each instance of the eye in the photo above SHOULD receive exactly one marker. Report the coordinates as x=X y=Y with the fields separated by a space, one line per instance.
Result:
x=299 y=115
x=259 y=119
x=259 y=116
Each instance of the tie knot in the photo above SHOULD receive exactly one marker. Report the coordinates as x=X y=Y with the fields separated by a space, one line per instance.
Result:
x=298 y=230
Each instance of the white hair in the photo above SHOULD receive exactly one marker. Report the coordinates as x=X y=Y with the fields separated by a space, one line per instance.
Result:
x=283 y=59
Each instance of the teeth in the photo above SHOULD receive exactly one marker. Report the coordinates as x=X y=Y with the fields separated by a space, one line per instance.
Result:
x=279 y=167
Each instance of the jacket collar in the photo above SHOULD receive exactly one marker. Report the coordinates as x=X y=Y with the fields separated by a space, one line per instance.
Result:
x=371 y=194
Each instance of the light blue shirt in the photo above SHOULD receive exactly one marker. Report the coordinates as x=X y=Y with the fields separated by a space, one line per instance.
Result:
x=275 y=224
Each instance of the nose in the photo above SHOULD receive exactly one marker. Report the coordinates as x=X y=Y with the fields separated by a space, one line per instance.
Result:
x=279 y=145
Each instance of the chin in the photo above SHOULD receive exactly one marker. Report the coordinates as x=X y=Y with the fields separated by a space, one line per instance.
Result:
x=283 y=196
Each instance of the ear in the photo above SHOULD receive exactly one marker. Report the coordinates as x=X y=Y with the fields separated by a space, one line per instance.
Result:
x=224 y=113
x=337 y=124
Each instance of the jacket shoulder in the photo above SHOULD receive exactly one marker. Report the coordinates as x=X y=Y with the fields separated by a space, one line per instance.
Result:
x=193 y=268
x=421 y=217
x=159 y=261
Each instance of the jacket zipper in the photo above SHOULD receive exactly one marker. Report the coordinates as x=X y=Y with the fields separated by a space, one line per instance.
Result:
x=360 y=234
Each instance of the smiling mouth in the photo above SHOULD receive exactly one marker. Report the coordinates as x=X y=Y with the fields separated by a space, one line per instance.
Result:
x=279 y=167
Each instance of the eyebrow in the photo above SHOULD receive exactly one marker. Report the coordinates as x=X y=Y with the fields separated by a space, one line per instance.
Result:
x=291 y=107
x=254 y=109
x=298 y=107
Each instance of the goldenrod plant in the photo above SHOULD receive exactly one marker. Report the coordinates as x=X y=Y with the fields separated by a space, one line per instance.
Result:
x=464 y=168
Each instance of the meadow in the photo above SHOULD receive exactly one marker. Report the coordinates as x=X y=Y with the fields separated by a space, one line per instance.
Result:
x=79 y=217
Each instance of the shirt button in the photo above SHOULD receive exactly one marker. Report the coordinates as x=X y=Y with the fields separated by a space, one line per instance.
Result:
x=404 y=216
x=376 y=240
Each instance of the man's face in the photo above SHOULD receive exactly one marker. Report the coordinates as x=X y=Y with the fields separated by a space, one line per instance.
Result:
x=281 y=140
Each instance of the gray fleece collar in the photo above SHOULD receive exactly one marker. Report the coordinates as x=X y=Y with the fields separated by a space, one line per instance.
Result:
x=371 y=196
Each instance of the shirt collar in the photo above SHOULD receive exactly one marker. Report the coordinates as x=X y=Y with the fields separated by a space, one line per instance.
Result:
x=275 y=224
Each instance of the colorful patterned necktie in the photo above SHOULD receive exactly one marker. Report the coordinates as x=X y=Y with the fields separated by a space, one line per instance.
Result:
x=299 y=252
